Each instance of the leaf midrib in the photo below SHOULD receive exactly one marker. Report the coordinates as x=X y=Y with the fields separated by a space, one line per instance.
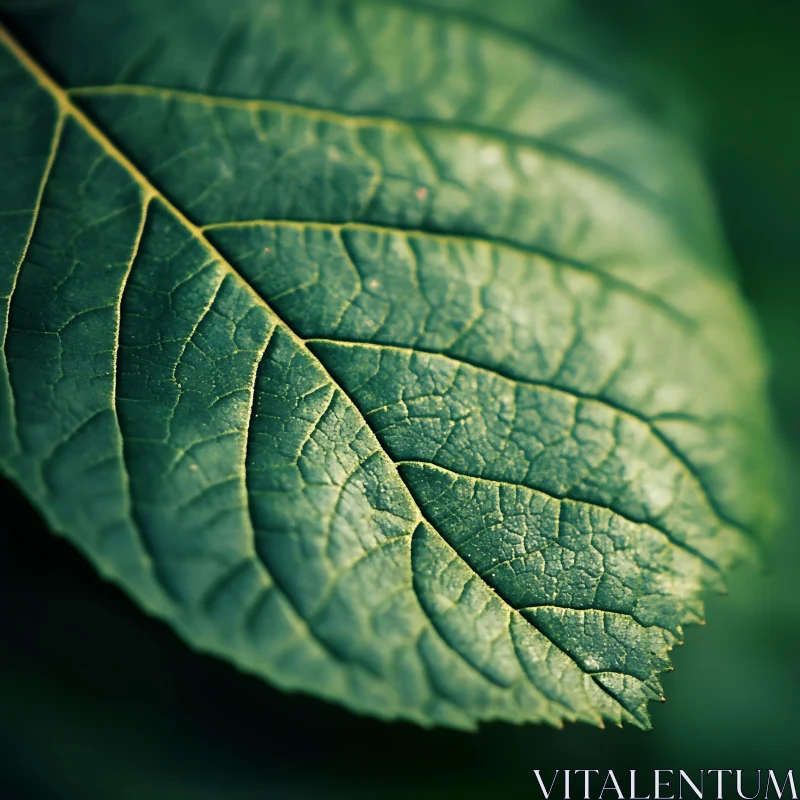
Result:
x=66 y=108
x=592 y=166
x=659 y=211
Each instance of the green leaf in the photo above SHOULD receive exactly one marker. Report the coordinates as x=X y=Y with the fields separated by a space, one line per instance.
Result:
x=369 y=345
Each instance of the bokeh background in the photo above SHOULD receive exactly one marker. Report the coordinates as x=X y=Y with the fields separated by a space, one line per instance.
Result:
x=100 y=702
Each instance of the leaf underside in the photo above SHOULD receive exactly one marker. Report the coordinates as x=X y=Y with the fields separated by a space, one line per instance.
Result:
x=370 y=347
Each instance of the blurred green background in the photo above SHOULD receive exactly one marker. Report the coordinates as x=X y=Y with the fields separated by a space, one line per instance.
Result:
x=99 y=701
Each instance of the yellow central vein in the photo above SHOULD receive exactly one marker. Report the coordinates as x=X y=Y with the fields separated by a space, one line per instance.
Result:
x=68 y=108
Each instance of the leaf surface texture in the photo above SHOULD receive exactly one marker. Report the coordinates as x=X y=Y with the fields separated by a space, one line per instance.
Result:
x=363 y=343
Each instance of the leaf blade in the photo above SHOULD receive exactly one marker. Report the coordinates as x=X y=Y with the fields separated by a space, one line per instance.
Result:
x=325 y=518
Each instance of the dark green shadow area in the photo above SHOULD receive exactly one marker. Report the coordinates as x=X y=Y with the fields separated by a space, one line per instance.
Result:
x=100 y=701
